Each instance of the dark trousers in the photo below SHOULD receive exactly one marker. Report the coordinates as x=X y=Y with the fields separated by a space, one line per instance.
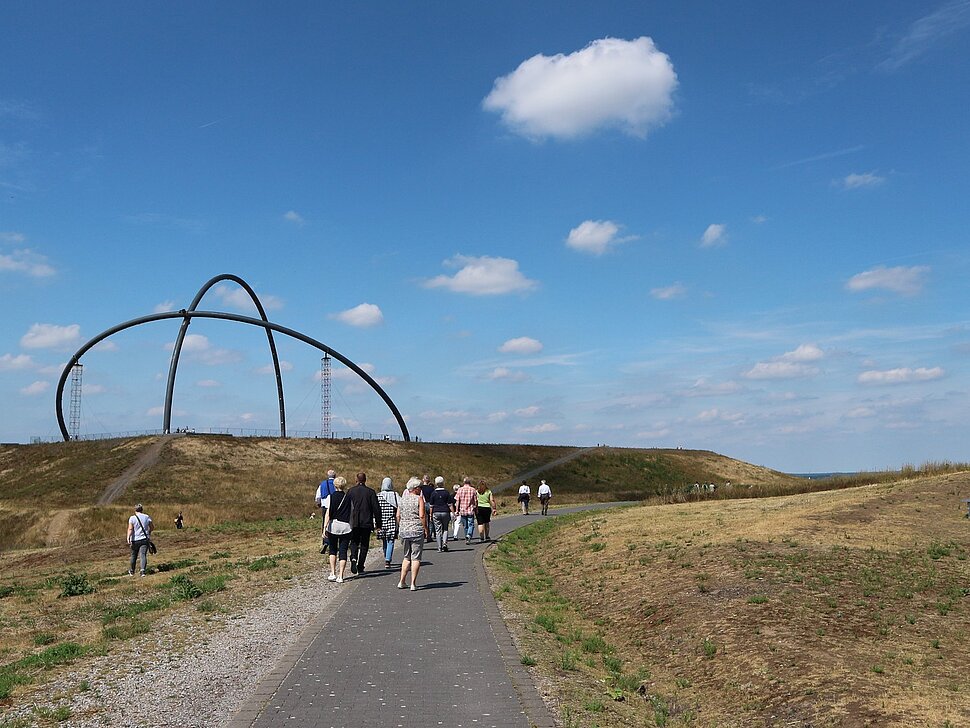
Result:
x=359 y=543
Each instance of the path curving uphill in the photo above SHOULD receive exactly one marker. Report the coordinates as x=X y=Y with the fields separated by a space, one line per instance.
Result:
x=147 y=459
x=517 y=479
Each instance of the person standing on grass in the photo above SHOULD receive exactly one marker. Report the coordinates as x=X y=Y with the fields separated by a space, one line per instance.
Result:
x=525 y=495
x=466 y=501
x=140 y=529
x=178 y=521
x=388 y=530
x=365 y=516
x=442 y=506
x=337 y=527
x=545 y=495
x=484 y=512
x=324 y=491
x=413 y=527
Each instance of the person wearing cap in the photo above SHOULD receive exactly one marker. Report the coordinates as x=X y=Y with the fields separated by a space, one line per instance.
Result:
x=413 y=530
x=466 y=501
x=388 y=530
x=545 y=495
x=442 y=506
x=140 y=527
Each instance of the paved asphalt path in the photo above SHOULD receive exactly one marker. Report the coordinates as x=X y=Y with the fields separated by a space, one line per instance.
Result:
x=393 y=658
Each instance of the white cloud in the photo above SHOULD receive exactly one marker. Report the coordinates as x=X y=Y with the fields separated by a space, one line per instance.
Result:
x=164 y=307
x=595 y=236
x=199 y=348
x=906 y=281
x=50 y=336
x=35 y=388
x=155 y=411
x=545 y=427
x=653 y=434
x=780 y=370
x=506 y=374
x=525 y=412
x=804 y=353
x=90 y=389
x=521 y=345
x=239 y=299
x=860 y=413
x=611 y=83
x=715 y=235
x=11 y=362
x=11 y=237
x=857 y=181
x=353 y=379
x=208 y=383
x=105 y=346
x=669 y=292
x=294 y=217
x=483 y=276
x=703 y=388
x=902 y=375
x=925 y=32
x=759 y=219
x=27 y=262
x=363 y=315
x=285 y=366
x=497 y=417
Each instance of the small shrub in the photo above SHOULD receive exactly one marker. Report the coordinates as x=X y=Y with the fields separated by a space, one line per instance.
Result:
x=183 y=588
x=547 y=622
x=709 y=647
x=75 y=585
x=262 y=563
x=527 y=661
x=595 y=644
x=568 y=661
x=757 y=599
x=613 y=664
x=127 y=630
x=44 y=638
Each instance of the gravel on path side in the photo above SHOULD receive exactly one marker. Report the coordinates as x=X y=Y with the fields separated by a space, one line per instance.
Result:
x=184 y=672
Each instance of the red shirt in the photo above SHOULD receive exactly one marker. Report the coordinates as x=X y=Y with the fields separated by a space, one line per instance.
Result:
x=467 y=500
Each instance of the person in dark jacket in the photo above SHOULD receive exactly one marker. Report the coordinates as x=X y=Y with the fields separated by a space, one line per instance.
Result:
x=365 y=516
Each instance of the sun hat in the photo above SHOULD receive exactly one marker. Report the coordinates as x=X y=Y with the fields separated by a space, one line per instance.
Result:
x=414 y=483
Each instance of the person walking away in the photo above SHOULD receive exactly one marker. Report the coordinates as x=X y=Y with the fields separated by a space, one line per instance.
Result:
x=484 y=512
x=442 y=506
x=466 y=501
x=178 y=521
x=545 y=495
x=324 y=491
x=457 y=526
x=140 y=529
x=426 y=490
x=388 y=531
x=525 y=495
x=413 y=527
x=337 y=527
x=365 y=516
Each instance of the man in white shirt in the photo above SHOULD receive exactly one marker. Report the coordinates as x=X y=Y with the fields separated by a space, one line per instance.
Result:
x=140 y=529
x=545 y=495
x=525 y=495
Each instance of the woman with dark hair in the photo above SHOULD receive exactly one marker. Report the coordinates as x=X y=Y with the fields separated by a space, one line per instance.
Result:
x=485 y=511
x=337 y=526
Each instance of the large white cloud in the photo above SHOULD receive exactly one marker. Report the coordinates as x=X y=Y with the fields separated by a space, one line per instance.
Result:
x=714 y=235
x=50 y=336
x=363 y=316
x=611 y=83
x=595 y=236
x=483 y=276
x=906 y=281
x=27 y=262
x=903 y=375
x=521 y=345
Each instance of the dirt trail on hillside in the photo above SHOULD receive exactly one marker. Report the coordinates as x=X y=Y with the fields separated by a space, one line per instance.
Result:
x=517 y=479
x=146 y=460
x=57 y=527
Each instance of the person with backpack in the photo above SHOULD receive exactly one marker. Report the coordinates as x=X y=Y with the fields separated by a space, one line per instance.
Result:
x=140 y=529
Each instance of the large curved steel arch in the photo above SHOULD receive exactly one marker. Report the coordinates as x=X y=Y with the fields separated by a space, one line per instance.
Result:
x=177 y=351
x=267 y=325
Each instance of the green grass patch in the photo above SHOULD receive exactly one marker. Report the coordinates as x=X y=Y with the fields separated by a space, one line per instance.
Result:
x=21 y=671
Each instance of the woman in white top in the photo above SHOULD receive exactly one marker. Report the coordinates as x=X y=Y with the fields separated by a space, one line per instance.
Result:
x=525 y=495
x=140 y=529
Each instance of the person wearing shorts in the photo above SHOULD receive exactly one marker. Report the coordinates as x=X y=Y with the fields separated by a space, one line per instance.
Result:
x=486 y=508
x=412 y=530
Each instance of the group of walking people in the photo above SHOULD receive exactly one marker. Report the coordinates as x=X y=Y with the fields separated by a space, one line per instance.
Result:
x=422 y=514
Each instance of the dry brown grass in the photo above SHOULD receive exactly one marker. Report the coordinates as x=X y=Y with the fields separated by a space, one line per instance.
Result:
x=839 y=608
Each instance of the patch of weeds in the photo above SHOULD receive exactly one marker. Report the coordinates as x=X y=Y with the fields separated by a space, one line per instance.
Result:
x=911 y=618
x=18 y=673
x=133 y=609
x=709 y=647
x=597 y=546
x=568 y=661
x=527 y=661
x=682 y=682
x=935 y=644
x=547 y=622
x=214 y=583
x=84 y=686
x=595 y=644
x=174 y=565
x=757 y=599
x=944 y=606
x=937 y=551
x=661 y=712
x=6 y=590
x=501 y=591
x=59 y=714
x=262 y=563
x=878 y=669
x=44 y=638
x=630 y=682
x=219 y=555
x=183 y=588
x=75 y=585
x=594 y=706
x=127 y=630
x=612 y=664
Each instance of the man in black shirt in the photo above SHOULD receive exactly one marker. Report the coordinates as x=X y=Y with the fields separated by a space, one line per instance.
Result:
x=365 y=516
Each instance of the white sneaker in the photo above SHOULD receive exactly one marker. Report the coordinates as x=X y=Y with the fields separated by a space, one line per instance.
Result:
x=332 y=577
x=339 y=580
x=414 y=588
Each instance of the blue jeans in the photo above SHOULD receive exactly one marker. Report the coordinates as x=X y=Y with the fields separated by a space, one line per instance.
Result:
x=388 y=548
x=468 y=523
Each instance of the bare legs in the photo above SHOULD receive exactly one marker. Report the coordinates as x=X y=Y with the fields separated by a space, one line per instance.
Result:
x=414 y=566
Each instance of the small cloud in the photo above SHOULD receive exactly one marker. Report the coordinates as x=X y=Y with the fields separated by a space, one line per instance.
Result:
x=759 y=219
x=294 y=217
x=164 y=307
x=105 y=346
x=239 y=299
x=538 y=429
x=860 y=413
x=35 y=388
x=483 y=276
x=444 y=415
x=858 y=181
x=780 y=370
x=12 y=237
x=362 y=316
x=90 y=389
x=155 y=411
x=902 y=375
x=506 y=374
x=527 y=412
x=714 y=236
x=25 y=261
x=703 y=388
x=11 y=362
x=611 y=83
x=199 y=348
x=497 y=417
x=50 y=336
x=927 y=31
x=285 y=366
x=669 y=292
x=906 y=281
x=208 y=383
x=596 y=236
x=804 y=353
x=521 y=345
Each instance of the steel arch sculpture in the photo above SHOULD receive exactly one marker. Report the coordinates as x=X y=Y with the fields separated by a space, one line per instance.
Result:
x=187 y=315
x=183 y=329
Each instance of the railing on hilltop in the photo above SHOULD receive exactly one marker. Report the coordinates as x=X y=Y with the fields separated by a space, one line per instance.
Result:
x=232 y=432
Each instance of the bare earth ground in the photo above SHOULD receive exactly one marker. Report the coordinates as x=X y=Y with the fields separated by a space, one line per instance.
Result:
x=839 y=608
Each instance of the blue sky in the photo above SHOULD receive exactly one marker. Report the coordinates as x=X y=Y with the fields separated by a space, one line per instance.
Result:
x=642 y=224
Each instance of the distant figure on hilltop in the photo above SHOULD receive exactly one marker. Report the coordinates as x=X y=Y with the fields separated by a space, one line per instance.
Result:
x=525 y=495
x=545 y=495
x=140 y=529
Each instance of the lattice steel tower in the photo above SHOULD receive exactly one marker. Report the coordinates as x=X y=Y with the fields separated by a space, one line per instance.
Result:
x=325 y=397
x=75 y=422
